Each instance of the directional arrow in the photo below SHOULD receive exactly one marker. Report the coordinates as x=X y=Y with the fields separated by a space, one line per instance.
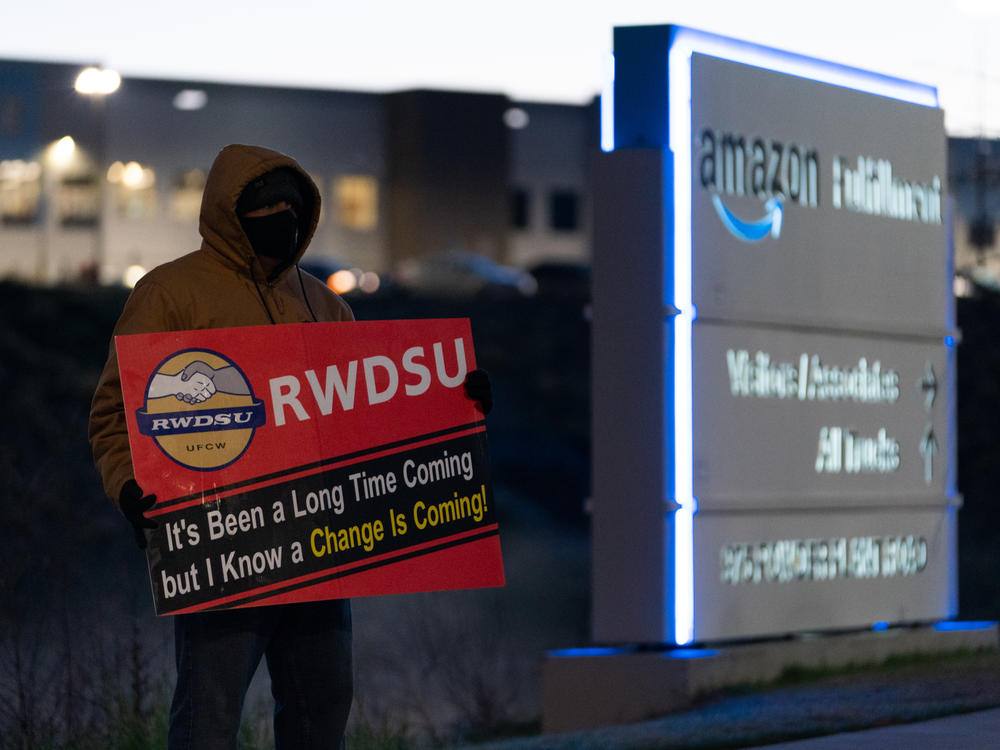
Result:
x=928 y=385
x=929 y=449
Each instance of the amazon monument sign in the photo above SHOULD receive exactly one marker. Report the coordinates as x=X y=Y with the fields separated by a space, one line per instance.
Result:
x=772 y=281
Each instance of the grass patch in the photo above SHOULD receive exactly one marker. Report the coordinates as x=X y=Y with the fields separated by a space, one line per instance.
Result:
x=799 y=675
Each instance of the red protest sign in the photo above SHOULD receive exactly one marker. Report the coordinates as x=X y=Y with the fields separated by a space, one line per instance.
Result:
x=309 y=461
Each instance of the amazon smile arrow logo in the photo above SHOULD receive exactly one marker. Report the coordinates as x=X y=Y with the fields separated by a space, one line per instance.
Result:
x=751 y=231
x=778 y=173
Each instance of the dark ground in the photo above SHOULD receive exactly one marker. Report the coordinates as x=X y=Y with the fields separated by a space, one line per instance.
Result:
x=807 y=704
x=67 y=566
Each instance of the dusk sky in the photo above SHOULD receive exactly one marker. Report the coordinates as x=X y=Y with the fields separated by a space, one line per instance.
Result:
x=533 y=50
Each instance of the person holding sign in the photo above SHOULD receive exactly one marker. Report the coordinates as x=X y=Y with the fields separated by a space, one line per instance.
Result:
x=259 y=211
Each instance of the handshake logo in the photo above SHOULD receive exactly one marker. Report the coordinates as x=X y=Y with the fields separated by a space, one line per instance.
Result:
x=200 y=410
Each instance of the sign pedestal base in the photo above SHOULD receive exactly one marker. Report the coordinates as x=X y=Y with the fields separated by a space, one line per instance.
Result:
x=593 y=687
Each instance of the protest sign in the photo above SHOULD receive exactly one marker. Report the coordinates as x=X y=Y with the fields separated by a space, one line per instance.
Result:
x=309 y=461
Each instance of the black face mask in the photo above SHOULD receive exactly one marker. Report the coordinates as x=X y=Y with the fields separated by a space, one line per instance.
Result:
x=274 y=236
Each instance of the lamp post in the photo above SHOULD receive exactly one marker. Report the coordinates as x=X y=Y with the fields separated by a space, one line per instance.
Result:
x=97 y=84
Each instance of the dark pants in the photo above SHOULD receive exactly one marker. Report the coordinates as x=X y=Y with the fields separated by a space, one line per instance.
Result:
x=308 y=652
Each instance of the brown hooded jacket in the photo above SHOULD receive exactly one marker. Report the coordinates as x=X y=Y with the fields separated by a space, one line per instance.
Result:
x=220 y=285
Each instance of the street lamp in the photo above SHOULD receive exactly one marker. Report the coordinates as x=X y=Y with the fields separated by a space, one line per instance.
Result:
x=63 y=151
x=98 y=81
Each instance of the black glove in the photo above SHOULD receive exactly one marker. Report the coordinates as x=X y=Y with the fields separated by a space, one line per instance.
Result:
x=134 y=504
x=478 y=388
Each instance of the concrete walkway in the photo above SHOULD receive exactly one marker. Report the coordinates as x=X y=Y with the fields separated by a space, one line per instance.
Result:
x=963 y=732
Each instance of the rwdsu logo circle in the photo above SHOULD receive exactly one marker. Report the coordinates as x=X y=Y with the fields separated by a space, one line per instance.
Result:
x=200 y=410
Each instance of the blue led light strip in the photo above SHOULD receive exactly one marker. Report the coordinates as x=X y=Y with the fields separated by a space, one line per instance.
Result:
x=608 y=105
x=684 y=43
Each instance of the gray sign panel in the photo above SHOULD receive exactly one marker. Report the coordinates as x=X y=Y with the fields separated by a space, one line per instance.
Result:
x=774 y=572
x=858 y=241
x=790 y=418
x=820 y=391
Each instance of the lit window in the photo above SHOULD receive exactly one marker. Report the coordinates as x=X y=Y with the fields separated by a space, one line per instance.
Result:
x=78 y=201
x=20 y=191
x=356 y=198
x=134 y=190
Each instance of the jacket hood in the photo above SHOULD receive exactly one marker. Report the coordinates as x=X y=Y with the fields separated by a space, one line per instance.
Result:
x=234 y=168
